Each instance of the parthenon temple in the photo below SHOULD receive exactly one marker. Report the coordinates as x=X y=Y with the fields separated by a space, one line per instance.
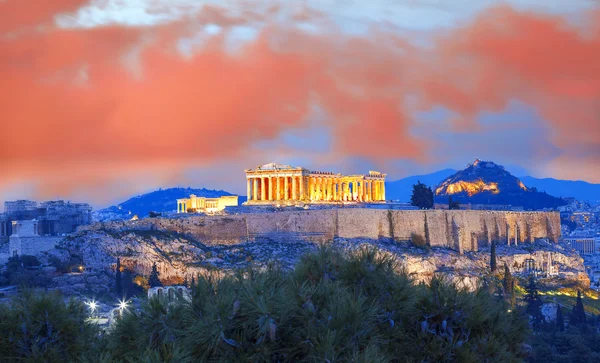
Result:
x=276 y=183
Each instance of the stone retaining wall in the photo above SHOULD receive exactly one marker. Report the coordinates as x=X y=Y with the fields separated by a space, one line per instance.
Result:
x=461 y=230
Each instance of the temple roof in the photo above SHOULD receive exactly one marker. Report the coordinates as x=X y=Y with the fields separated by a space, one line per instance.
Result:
x=274 y=166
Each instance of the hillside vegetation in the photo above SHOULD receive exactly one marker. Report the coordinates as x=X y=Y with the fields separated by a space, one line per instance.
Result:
x=332 y=307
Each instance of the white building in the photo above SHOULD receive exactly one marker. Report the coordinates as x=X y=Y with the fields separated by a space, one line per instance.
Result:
x=583 y=245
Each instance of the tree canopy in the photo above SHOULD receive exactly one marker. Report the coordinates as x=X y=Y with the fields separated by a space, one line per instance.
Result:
x=422 y=196
x=153 y=280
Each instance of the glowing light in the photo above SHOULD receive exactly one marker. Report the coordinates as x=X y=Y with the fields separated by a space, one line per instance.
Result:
x=122 y=305
x=92 y=304
x=80 y=268
x=522 y=186
x=470 y=188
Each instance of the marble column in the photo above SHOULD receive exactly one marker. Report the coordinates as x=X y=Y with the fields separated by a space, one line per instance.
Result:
x=329 y=189
x=254 y=189
x=317 y=189
x=371 y=196
x=277 y=188
x=294 y=188
x=248 y=188
x=383 y=190
x=302 y=181
x=362 y=190
x=263 y=194
x=270 y=180
x=335 y=190
x=286 y=189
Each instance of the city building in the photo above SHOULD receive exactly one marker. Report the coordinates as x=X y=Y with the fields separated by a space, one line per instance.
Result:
x=195 y=204
x=583 y=245
x=283 y=184
x=52 y=218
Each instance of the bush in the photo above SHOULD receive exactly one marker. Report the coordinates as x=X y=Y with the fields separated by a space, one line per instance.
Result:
x=58 y=263
x=30 y=261
x=419 y=241
x=332 y=307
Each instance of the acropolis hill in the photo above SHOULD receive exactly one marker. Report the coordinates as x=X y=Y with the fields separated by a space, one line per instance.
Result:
x=192 y=244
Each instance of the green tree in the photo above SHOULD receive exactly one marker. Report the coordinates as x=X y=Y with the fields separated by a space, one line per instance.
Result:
x=118 y=280
x=578 y=315
x=453 y=204
x=335 y=306
x=493 y=263
x=42 y=327
x=508 y=283
x=534 y=304
x=153 y=280
x=560 y=321
x=422 y=196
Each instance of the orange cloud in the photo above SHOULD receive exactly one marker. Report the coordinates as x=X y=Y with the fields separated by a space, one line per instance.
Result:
x=75 y=113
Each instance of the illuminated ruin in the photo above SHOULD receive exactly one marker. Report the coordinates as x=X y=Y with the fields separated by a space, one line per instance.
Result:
x=195 y=204
x=283 y=184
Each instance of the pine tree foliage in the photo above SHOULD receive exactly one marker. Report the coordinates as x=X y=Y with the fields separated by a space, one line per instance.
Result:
x=42 y=327
x=493 y=263
x=508 y=284
x=333 y=306
x=578 y=315
x=422 y=196
x=453 y=204
x=560 y=320
x=534 y=303
x=153 y=280
x=118 y=280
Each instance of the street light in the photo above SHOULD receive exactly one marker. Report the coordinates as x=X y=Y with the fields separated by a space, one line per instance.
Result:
x=122 y=305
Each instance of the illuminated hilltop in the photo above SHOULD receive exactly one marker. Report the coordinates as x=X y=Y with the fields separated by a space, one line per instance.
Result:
x=485 y=182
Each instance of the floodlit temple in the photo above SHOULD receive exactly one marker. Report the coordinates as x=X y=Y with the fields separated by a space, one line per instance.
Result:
x=195 y=204
x=283 y=184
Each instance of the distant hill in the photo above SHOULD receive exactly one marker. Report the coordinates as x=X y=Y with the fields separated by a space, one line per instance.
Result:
x=579 y=190
x=162 y=200
x=402 y=189
x=485 y=182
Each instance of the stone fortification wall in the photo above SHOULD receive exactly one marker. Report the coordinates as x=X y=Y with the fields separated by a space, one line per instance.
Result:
x=32 y=245
x=457 y=229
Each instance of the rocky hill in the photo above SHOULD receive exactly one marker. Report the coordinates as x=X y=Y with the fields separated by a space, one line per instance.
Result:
x=485 y=182
x=179 y=256
x=162 y=200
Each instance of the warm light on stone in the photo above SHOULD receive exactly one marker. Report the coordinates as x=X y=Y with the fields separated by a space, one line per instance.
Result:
x=276 y=183
x=470 y=188
x=209 y=205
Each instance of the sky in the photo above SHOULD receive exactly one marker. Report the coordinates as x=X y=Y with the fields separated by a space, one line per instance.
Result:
x=101 y=100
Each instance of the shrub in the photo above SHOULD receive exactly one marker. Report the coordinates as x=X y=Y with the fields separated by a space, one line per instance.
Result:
x=419 y=241
x=58 y=263
x=29 y=261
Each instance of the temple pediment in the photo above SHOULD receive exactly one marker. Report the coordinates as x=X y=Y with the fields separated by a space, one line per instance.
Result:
x=274 y=166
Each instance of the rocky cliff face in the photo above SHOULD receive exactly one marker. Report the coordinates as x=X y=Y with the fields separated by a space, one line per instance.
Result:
x=457 y=229
x=179 y=257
